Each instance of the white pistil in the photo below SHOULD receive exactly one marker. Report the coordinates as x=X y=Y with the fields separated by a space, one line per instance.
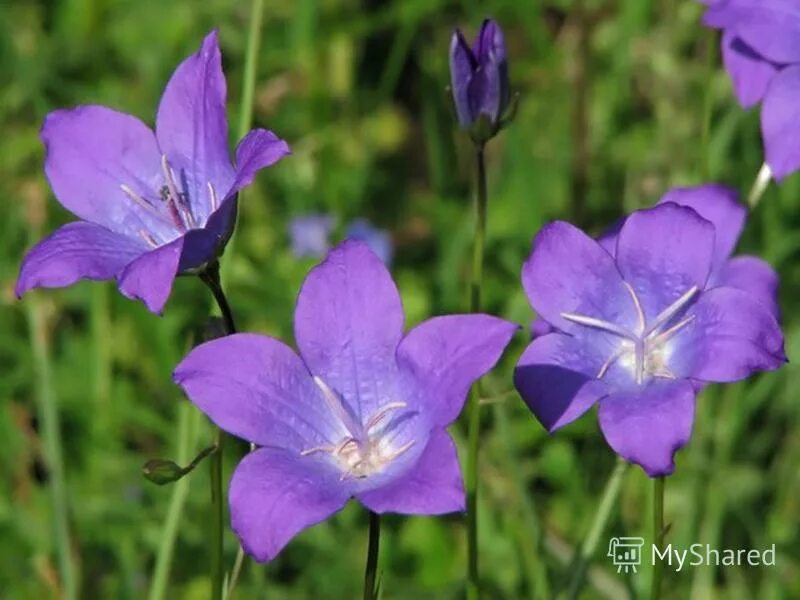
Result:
x=180 y=213
x=639 y=312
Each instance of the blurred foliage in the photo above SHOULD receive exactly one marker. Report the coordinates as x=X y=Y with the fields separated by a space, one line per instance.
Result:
x=615 y=98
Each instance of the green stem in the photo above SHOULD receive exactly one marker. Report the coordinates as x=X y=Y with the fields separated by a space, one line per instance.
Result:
x=251 y=66
x=473 y=431
x=587 y=549
x=658 y=535
x=188 y=420
x=712 y=43
x=47 y=407
x=371 y=571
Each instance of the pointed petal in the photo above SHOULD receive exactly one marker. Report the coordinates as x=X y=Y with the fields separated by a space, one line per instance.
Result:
x=718 y=204
x=462 y=66
x=648 y=425
x=433 y=486
x=754 y=276
x=732 y=336
x=749 y=71
x=490 y=44
x=348 y=323
x=275 y=494
x=76 y=251
x=568 y=272
x=556 y=377
x=257 y=150
x=664 y=251
x=149 y=278
x=446 y=355
x=258 y=389
x=201 y=246
x=780 y=122
x=192 y=128
x=91 y=152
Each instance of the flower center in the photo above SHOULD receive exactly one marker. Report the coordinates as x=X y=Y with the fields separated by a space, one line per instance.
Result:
x=172 y=207
x=363 y=450
x=644 y=352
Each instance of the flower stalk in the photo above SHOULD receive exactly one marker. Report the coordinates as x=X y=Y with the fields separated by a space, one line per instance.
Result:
x=371 y=582
x=658 y=535
x=473 y=432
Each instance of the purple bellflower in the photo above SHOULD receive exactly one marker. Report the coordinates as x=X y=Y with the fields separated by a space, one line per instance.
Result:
x=360 y=412
x=152 y=205
x=479 y=80
x=761 y=52
x=640 y=330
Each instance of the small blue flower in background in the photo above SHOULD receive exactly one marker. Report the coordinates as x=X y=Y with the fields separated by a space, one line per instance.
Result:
x=309 y=235
x=379 y=240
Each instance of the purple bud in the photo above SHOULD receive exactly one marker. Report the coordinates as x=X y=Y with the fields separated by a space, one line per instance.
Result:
x=479 y=77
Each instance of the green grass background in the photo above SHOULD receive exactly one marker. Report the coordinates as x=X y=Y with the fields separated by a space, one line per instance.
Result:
x=620 y=99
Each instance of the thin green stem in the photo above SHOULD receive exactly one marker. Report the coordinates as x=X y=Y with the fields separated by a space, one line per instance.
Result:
x=47 y=407
x=251 y=66
x=712 y=42
x=188 y=420
x=371 y=571
x=474 y=411
x=235 y=572
x=587 y=549
x=658 y=535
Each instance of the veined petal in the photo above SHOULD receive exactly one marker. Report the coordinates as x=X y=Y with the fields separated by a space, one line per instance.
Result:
x=258 y=389
x=648 y=425
x=462 y=66
x=754 y=276
x=348 y=323
x=200 y=246
x=433 y=486
x=446 y=355
x=192 y=128
x=275 y=494
x=483 y=91
x=780 y=122
x=77 y=251
x=663 y=252
x=149 y=278
x=749 y=71
x=731 y=335
x=258 y=149
x=568 y=272
x=92 y=151
x=557 y=377
x=718 y=204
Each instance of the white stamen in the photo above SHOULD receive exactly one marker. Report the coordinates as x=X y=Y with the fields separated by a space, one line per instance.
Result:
x=378 y=417
x=672 y=309
x=638 y=305
x=213 y=195
x=598 y=324
x=148 y=238
x=666 y=335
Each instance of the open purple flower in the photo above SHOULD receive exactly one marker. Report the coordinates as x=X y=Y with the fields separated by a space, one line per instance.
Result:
x=152 y=205
x=761 y=52
x=479 y=77
x=638 y=331
x=361 y=412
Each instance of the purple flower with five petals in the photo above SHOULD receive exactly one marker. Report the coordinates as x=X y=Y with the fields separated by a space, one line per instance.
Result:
x=640 y=330
x=152 y=205
x=361 y=412
x=761 y=52
x=479 y=77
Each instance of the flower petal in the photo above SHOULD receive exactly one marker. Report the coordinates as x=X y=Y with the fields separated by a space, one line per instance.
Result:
x=556 y=377
x=664 y=251
x=720 y=205
x=275 y=494
x=348 y=323
x=201 y=246
x=192 y=128
x=76 y=251
x=749 y=71
x=732 y=336
x=258 y=389
x=149 y=278
x=91 y=152
x=647 y=426
x=568 y=272
x=257 y=150
x=755 y=277
x=462 y=66
x=433 y=486
x=446 y=355
x=780 y=123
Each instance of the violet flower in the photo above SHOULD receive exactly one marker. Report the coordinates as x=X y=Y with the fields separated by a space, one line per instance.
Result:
x=309 y=235
x=639 y=331
x=761 y=52
x=151 y=205
x=479 y=80
x=378 y=240
x=361 y=412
